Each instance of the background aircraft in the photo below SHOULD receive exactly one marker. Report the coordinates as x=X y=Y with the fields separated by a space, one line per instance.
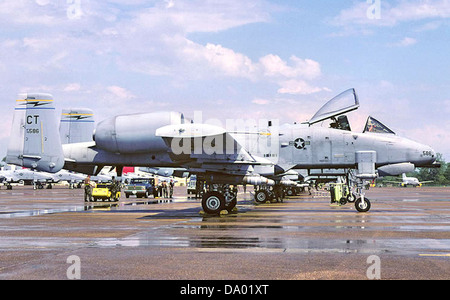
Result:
x=259 y=155
x=38 y=179
x=74 y=179
x=25 y=175
x=409 y=181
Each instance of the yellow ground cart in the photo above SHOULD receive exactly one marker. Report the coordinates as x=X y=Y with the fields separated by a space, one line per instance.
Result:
x=103 y=192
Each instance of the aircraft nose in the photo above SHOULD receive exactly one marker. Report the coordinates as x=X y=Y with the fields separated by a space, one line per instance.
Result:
x=433 y=154
x=428 y=155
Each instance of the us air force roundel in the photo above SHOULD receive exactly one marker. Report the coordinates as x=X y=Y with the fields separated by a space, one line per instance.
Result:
x=299 y=143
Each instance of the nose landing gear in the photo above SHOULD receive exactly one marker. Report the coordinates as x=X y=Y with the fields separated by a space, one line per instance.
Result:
x=362 y=204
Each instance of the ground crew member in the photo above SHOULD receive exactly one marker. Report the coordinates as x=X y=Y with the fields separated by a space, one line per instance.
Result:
x=277 y=189
x=87 y=189
x=164 y=189
x=115 y=187
x=198 y=189
x=171 y=184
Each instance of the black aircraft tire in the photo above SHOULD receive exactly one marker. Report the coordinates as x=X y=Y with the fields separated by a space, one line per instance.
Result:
x=362 y=207
x=261 y=196
x=213 y=203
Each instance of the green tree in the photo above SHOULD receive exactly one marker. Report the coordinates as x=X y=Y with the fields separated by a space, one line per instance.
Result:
x=447 y=174
x=434 y=174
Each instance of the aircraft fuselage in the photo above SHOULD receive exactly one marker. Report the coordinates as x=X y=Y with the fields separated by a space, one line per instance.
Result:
x=289 y=146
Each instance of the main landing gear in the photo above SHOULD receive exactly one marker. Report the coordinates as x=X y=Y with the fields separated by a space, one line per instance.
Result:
x=224 y=199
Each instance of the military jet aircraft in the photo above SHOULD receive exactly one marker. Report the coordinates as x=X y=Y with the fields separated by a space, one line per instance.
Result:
x=257 y=155
x=409 y=181
x=39 y=178
x=71 y=178
x=25 y=175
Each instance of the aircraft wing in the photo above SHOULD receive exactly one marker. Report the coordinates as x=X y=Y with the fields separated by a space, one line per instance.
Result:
x=422 y=182
x=209 y=148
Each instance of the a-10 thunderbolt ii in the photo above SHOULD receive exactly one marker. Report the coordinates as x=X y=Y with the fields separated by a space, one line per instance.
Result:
x=257 y=154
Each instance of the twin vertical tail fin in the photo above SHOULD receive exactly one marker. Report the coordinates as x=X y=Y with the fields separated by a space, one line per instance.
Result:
x=77 y=125
x=35 y=142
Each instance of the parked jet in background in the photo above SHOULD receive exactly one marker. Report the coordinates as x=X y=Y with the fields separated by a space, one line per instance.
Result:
x=71 y=178
x=409 y=181
x=257 y=155
x=24 y=175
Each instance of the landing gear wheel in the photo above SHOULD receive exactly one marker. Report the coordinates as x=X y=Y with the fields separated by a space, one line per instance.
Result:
x=213 y=202
x=290 y=192
x=343 y=201
x=230 y=205
x=362 y=205
x=261 y=196
x=351 y=198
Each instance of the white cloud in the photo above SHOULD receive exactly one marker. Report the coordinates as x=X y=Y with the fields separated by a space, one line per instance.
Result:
x=120 y=92
x=203 y=16
x=406 y=42
x=260 y=101
x=151 y=40
x=274 y=66
x=228 y=61
x=298 y=87
x=72 y=87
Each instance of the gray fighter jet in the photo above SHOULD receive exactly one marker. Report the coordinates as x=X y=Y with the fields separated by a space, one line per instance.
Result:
x=257 y=154
x=38 y=179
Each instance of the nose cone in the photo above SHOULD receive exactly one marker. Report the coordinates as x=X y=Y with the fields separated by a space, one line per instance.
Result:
x=427 y=156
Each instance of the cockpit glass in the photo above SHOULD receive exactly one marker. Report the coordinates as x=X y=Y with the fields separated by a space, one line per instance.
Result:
x=373 y=125
x=343 y=103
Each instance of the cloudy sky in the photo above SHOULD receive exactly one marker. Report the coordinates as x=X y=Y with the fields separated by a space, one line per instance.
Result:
x=233 y=59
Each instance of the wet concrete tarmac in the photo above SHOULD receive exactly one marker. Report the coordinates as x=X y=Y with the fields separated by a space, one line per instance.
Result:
x=302 y=238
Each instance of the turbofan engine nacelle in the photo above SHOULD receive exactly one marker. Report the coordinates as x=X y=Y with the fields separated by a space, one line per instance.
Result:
x=133 y=134
x=396 y=169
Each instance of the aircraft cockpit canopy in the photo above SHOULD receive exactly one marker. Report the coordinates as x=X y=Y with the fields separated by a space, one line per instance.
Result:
x=373 y=125
x=339 y=105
